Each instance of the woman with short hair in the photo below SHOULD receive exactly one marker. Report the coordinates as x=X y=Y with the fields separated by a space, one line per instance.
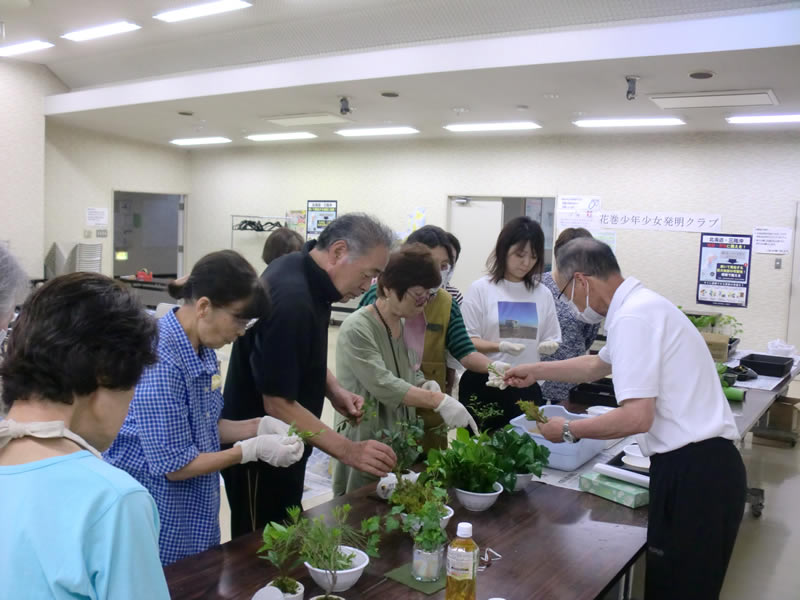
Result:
x=76 y=527
x=281 y=241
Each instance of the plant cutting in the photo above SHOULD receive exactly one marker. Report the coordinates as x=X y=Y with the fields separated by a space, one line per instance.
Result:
x=411 y=496
x=305 y=436
x=405 y=438
x=483 y=412
x=519 y=457
x=282 y=544
x=337 y=554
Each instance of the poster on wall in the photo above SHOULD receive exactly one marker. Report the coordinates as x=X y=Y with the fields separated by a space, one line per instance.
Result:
x=772 y=240
x=723 y=277
x=296 y=221
x=96 y=217
x=319 y=214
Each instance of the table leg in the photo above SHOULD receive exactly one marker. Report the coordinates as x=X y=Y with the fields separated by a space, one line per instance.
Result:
x=755 y=498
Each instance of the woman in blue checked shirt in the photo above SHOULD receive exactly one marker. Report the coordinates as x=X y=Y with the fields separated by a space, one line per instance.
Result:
x=171 y=438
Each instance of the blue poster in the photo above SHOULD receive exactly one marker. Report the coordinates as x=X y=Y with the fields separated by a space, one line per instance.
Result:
x=723 y=277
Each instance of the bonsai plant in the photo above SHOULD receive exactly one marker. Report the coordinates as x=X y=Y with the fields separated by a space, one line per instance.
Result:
x=282 y=544
x=519 y=457
x=336 y=554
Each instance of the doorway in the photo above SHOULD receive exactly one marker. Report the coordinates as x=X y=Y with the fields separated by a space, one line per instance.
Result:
x=148 y=234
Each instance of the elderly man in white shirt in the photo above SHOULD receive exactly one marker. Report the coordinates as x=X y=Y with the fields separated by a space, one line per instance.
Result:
x=670 y=396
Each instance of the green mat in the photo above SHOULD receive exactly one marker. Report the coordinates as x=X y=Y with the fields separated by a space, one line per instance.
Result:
x=403 y=575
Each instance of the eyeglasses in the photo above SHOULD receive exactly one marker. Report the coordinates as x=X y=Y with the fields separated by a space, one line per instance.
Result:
x=243 y=322
x=564 y=289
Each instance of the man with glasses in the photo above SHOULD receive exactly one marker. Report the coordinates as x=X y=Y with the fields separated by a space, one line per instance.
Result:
x=670 y=398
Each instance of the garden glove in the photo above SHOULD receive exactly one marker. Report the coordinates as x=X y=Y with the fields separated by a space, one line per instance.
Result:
x=272 y=425
x=455 y=414
x=547 y=348
x=497 y=371
x=431 y=386
x=277 y=450
x=511 y=348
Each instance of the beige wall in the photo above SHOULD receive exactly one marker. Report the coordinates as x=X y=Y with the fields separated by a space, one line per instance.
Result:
x=23 y=87
x=83 y=169
x=750 y=177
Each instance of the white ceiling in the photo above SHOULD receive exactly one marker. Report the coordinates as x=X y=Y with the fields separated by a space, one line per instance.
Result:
x=584 y=89
x=274 y=30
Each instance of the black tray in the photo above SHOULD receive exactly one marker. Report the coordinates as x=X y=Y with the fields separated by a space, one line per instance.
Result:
x=768 y=365
x=598 y=393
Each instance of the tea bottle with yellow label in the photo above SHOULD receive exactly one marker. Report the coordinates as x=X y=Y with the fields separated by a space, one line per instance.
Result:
x=462 y=565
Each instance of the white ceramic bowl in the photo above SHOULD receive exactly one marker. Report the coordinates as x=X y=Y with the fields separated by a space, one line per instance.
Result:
x=298 y=595
x=475 y=502
x=633 y=450
x=523 y=479
x=344 y=579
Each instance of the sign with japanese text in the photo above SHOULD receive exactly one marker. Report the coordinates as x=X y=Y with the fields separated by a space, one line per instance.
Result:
x=723 y=276
x=318 y=214
x=651 y=221
x=772 y=240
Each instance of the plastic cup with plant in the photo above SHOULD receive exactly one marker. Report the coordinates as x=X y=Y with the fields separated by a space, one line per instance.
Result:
x=282 y=544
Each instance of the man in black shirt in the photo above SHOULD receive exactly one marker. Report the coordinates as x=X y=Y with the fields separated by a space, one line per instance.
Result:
x=280 y=367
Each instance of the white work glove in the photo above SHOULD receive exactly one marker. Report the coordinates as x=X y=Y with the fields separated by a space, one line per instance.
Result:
x=547 y=348
x=431 y=386
x=511 y=348
x=272 y=425
x=497 y=370
x=455 y=414
x=277 y=450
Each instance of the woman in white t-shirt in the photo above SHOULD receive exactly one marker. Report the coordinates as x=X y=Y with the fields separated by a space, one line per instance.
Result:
x=510 y=317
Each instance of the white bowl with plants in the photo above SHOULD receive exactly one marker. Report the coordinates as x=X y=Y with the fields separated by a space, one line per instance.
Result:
x=479 y=501
x=341 y=579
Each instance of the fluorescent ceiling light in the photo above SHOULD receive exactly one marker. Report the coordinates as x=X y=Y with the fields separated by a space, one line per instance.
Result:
x=201 y=10
x=657 y=122
x=200 y=141
x=716 y=99
x=24 y=47
x=276 y=137
x=377 y=131
x=305 y=120
x=763 y=119
x=507 y=126
x=101 y=31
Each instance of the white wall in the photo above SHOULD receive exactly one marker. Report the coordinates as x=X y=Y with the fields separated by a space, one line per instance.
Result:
x=83 y=169
x=752 y=178
x=22 y=90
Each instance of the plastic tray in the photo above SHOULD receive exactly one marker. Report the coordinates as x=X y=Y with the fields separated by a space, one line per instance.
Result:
x=563 y=456
x=597 y=393
x=768 y=365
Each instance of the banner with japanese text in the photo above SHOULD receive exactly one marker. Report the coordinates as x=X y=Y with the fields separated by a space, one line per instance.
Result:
x=723 y=277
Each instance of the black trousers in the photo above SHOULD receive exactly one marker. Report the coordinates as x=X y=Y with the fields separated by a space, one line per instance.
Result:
x=474 y=384
x=259 y=493
x=697 y=497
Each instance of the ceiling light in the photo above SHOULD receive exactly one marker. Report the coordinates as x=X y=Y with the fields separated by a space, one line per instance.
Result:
x=276 y=137
x=377 y=131
x=657 y=122
x=24 y=47
x=101 y=31
x=715 y=99
x=763 y=119
x=305 y=120
x=507 y=126
x=201 y=10
x=701 y=74
x=199 y=141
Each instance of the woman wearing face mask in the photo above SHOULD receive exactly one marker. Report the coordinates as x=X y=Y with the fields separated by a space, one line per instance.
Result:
x=171 y=438
x=438 y=331
x=510 y=317
x=577 y=335
x=373 y=360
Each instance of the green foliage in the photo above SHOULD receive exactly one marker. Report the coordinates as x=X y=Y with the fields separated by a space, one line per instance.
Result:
x=321 y=541
x=483 y=412
x=531 y=411
x=425 y=527
x=716 y=322
x=303 y=435
x=517 y=453
x=282 y=544
x=413 y=495
x=468 y=464
x=405 y=438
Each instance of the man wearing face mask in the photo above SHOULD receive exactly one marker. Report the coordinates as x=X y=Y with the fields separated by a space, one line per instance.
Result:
x=670 y=397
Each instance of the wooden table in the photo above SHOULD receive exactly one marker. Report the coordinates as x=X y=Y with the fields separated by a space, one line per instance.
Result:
x=556 y=544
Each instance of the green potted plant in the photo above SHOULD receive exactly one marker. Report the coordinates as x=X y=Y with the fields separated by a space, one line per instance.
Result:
x=429 y=538
x=468 y=465
x=336 y=554
x=410 y=496
x=519 y=457
x=282 y=544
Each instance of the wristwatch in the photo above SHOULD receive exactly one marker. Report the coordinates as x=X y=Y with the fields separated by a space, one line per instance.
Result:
x=567 y=435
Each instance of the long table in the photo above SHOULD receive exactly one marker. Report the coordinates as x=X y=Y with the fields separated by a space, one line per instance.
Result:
x=556 y=544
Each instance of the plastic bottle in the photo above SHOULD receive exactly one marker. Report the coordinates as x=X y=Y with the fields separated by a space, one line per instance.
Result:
x=462 y=565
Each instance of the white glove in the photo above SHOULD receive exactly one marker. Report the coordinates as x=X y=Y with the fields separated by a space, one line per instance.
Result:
x=455 y=414
x=547 y=348
x=496 y=372
x=431 y=386
x=277 y=450
x=272 y=425
x=511 y=348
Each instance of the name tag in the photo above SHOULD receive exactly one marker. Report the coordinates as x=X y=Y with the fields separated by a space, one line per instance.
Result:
x=434 y=327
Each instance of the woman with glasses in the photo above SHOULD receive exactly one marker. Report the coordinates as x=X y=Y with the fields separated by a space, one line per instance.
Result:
x=374 y=361
x=170 y=440
x=511 y=318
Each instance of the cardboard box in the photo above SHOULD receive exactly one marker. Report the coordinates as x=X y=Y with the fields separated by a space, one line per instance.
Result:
x=783 y=424
x=615 y=490
x=717 y=344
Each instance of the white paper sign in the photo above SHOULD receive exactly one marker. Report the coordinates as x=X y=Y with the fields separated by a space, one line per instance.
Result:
x=607 y=237
x=574 y=219
x=772 y=240
x=97 y=217
x=578 y=203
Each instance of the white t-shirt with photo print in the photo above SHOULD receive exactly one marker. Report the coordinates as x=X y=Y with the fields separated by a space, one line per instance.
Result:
x=510 y=312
